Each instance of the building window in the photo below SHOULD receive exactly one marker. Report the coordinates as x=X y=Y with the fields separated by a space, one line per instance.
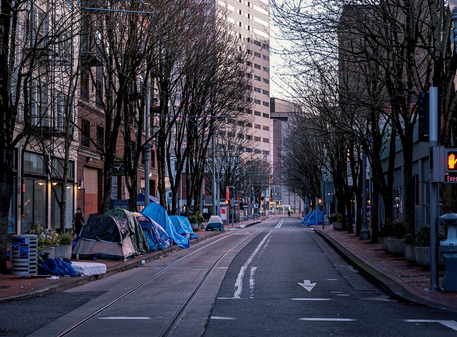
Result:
x=266 y=115
x=265 y=103
x=257 y=43
x=249 y=75
x=240 y=12
x=85 y=133
x=257 y=139
x=249 y=63
x=256 y=54
x=266 y=128
x=257 y=113
x=266 y=58
x=257 y=66
x=257 y=78
x=266 y=46
x=266 y=140
x=249 y=111
x=99 y=93
x=267 y=81
x=84 y=84
x=266 y=92
x=257 y=101
x=100 y=138
x=248 y=137
x=257 y=126
x=266 y=69
x=257 y=90
x=249 y=51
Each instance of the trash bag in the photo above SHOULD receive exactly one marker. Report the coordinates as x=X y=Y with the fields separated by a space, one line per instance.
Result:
x=58 y=267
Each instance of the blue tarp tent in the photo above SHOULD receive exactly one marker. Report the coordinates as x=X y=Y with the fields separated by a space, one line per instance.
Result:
x=140 y=199
x=157 y=213
x=157 y=238
x=182 y=226
x=310 y=218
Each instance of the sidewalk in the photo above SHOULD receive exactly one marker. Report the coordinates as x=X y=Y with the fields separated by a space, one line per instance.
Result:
x=393 y=274
x=17 y=287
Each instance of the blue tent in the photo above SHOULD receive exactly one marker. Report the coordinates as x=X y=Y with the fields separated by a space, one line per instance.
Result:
x=157 y=238
x=140 y=199
x=310 y=218
x=157 y=213
x=182 y=226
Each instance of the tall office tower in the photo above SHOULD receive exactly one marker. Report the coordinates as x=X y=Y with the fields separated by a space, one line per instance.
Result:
x=250 y=20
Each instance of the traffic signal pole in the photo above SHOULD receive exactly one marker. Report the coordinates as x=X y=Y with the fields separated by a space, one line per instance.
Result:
x=433 y=142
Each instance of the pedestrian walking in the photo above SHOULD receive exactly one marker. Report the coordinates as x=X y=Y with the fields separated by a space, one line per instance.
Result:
x=79 y=221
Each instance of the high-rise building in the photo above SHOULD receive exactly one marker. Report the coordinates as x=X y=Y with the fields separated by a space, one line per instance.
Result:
x=250 y=20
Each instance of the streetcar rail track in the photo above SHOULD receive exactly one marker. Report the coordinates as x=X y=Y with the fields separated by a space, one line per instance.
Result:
x=180 y=313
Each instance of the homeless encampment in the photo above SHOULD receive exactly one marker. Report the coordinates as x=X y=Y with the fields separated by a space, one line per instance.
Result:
x=310 y=218
x=215 y=223
x=182 y=226
x=105 y=236
x=157 y=213
x=140 y=243
x=157 y=238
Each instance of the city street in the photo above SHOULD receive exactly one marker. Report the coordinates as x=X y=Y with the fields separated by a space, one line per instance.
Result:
x=274 y=278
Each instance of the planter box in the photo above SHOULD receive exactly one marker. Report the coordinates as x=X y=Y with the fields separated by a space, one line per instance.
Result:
x=50 y=250
x=396 y=246
x=337 y=226
x=63 y=251
x=195 y=226
x=385 y=243
x=409 y=253
x=422 y=255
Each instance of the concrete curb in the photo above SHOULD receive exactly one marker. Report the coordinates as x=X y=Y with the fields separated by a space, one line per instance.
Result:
x=392 y=288
x=250 y=224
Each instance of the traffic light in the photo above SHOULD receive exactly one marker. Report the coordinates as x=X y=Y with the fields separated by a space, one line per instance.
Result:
x=319 y=201
x=227 y=202
x=423 y=117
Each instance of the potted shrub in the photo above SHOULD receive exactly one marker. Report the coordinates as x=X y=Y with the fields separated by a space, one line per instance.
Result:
x=395 y=243
x=408 y=248
x=422 y=247
x=387 y=231
x=193 y=219
x=337 y=221
x=63 y=249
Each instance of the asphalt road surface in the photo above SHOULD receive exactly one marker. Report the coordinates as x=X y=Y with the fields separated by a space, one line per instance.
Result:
x=276 y=278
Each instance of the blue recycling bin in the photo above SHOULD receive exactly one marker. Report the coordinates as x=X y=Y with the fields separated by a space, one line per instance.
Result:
x=448 y=249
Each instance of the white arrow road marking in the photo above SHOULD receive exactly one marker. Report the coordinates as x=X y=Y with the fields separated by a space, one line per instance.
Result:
x=224 y=318
x=327 y=319
x=239 y=279
x=450 y=324
x=124 y=317
x=307 y=284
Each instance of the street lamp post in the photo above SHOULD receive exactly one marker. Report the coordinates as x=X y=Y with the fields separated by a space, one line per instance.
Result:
x=364 y=232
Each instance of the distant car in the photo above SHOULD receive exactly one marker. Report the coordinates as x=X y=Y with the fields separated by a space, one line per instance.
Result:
x=215 y=223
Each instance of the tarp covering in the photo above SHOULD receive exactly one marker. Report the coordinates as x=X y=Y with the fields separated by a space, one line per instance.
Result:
x=310 y=218
x=58 y=267
x=182 y=226
x=107 y=250
x=157 y=238
x=140 y=199
x=105 y=228
x=157 y=213
x=136 y=232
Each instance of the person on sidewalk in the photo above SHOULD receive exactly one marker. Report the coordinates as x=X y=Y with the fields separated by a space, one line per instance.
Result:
x=79 y=221
x=288 y=212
